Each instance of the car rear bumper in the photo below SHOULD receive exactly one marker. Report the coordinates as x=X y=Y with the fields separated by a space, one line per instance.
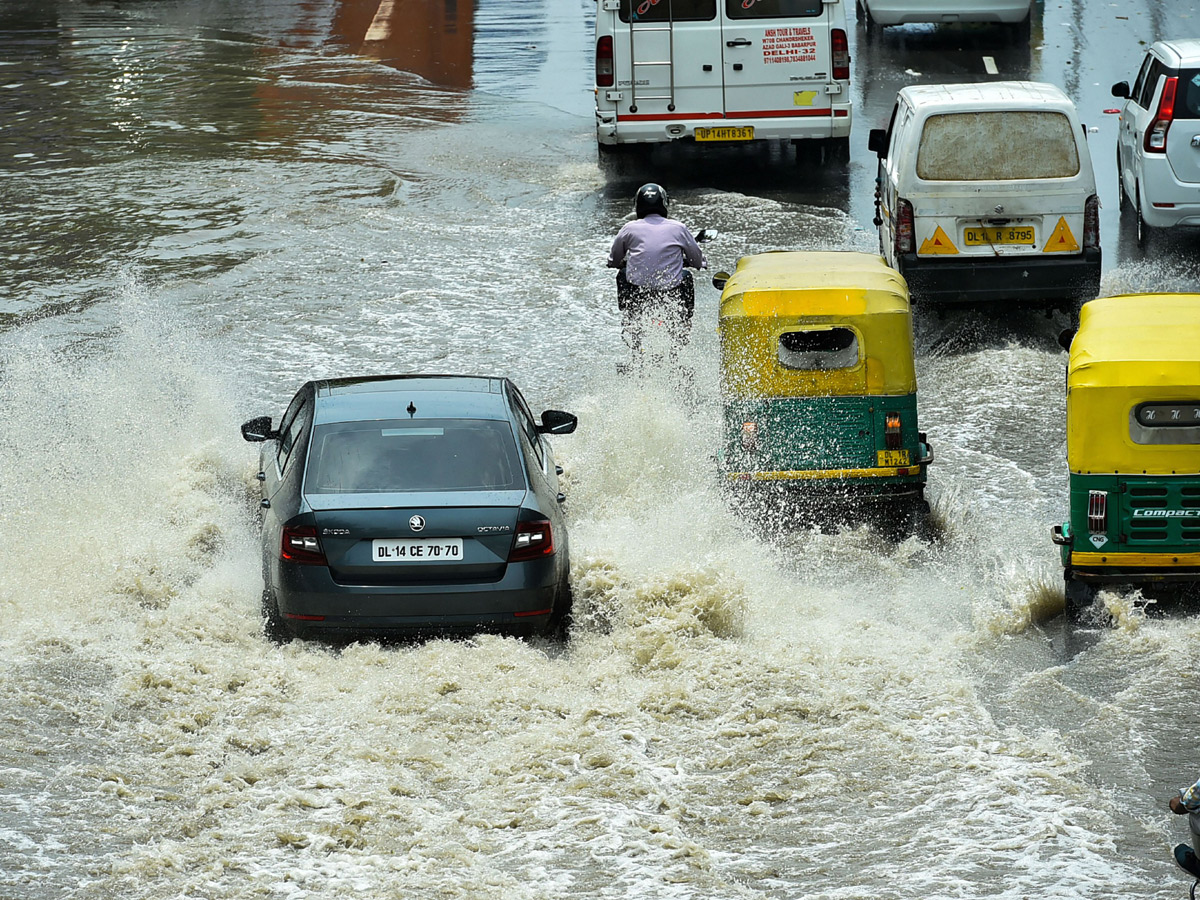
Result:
x=902 y=12
x=1020 y=279
x=520 y=601
x=611 y=130
x=1159 y=185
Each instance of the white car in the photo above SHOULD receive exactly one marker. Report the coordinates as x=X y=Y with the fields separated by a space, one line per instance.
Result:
x=1158 y=142
x=874 y=14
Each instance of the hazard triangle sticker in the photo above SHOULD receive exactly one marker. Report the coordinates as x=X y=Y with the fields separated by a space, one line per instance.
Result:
x=1061 y=240
x=939 y=243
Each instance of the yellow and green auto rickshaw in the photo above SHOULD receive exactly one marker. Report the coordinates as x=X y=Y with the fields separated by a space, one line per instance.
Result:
x=818 y=382
x=1133 y=445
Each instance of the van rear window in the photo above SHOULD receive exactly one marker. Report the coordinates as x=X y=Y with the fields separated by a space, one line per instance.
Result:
x=997 y=146
x=1189 y=92
x=773 y=9
x=819 y=349
x=668 y=10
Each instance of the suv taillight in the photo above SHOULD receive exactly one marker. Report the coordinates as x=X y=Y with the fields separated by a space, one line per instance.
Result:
x=604 y=61
x=533 y=540
x=1091 y=223
x=904 y=227
x=300 y=545
x=1156 y=134
x=841 y=55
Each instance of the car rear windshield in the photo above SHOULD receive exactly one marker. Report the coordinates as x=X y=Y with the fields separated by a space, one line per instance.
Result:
x=1188 y=103
x=997 y=146
x=404 y=455
x=826 y=348
x=668 y=10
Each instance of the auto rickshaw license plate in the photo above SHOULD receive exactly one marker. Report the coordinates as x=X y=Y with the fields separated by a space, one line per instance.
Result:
x=1005 y=234
x=893 y=458
x=727 y=133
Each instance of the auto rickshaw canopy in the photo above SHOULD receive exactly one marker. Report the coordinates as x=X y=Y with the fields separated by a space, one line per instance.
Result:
x=773 y=296
x=1130 y=350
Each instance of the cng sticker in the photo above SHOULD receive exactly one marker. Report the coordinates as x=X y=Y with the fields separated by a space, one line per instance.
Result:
x=1061 y=240
x=1099 y=540
x=803 y=98
x=939 y=243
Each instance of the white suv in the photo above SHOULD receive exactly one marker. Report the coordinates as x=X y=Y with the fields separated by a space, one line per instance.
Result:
x=874 y=14
x=1158 y=142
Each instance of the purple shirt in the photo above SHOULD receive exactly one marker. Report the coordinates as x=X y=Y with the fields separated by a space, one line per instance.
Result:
x=654 y=251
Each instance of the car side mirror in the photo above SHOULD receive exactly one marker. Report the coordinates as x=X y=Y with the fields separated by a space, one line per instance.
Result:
x=555 y=421
x=718 y=280
x=1121 y=89
x=877 y=142
x=259 y=430
x=704 y=235
x=1065 y=337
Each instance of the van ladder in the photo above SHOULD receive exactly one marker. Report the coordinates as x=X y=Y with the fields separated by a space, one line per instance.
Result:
x=635 y=63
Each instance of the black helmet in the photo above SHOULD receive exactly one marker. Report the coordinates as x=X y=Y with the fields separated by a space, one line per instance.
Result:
x=651 y=200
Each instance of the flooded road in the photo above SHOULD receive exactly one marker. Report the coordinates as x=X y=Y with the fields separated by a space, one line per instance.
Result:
x=203 y=204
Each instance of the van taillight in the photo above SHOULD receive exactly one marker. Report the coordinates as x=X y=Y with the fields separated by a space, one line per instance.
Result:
x=1098 y=512
x=1156 y=134
x=604 y=61
x=300 y=545
x=904 y=227
x=533 y=540
x=841 y=55
x=891 y=431
x=1091 y=223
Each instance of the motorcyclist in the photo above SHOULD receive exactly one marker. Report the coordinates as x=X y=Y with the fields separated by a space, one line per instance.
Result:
x=650 y=254
x=1187 y=802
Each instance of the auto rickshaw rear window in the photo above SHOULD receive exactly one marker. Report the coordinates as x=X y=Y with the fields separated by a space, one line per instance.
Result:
x=668 y=10
x=1165 y=423
x=1007 y=145
x=818 y=349
x=773 y=9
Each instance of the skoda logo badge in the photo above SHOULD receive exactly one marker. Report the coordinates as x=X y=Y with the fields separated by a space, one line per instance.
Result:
x=417 y=523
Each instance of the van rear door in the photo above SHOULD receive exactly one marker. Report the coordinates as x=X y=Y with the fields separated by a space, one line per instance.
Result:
x=667 y=59
x=777 y=58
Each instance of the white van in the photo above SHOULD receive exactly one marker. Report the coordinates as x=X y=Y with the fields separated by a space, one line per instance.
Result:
x=986 y=192
x=722 y=70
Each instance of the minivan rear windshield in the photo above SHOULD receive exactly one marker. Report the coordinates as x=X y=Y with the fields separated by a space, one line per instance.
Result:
x=387 y=456
x=997 y=146
x=774 y=9
x=668 y=10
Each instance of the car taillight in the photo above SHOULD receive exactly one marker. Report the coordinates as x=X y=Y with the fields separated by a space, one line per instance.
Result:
x=841 y=55
x=891 y=431
x=750 y=437
x=1091 y=223
x=1098 y=512
x=300 y=545
x=533 y=540
x=904 y=227
x=604 y=61
x=1156 y=134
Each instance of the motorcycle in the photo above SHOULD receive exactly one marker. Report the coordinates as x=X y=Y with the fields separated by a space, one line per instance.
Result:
x=1187 y=855
x=656 y=323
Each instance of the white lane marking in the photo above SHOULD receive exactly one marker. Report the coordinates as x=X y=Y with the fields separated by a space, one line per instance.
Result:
x=989 y=66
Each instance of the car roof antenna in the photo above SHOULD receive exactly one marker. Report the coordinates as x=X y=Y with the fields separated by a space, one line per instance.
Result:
x=412 y=410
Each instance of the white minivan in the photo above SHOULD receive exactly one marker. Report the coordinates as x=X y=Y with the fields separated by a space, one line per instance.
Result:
x=986 y=192
x=722 y=71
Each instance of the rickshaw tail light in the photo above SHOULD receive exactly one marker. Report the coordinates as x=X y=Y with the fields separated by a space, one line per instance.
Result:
x=1098 y=512
x=904 y=227
x=891 y=431
x=1091 y=223
x=750 y=437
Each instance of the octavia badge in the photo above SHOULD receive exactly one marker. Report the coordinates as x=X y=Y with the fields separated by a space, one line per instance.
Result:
x=417 y=523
